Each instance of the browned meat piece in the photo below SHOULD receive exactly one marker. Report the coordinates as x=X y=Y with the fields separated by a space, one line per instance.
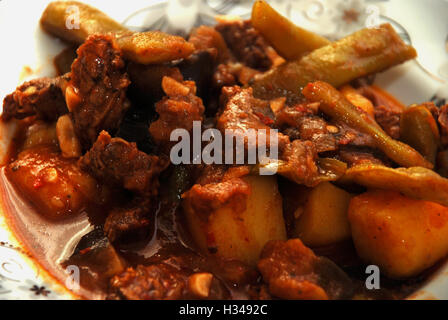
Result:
x=42 y=97
x=387 y=109
x=246 y=44
x=183 y=275
x=224 y=76
x=288 y=268
x=354 y=157
x=232 y=271
x=302 y=121
x=212 y=173
x=178 y=109
x=242 y=112
x=207 y=198
x=145 y=81
x=389 y=120
x=118 y=162
x=96 y=94
x=292 y=115
x=154 y=282
x=315 y=130
x=293 y=271
x=346 y=135
x=443 y=123
x=207 y=38
x=300 y=165
x=131 y=221
x=309 y=126
x=231 y=73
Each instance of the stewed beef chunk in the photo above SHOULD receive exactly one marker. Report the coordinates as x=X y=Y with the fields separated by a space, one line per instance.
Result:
x=178 y=109
x=118 y=162
x=179 y=274
x=242 y=112
x=443 y=123
x=389 y=120
x=129 y=222
x=154 y=282
x=42 y=97
x=246 y=44
x=293 y=271
x=96 y=93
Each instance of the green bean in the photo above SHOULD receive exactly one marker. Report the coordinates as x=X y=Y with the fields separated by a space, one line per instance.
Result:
x=415 y=182
x=289 y=40
x=365 y=52
x=419 y=129
x=142 y=47
x=60 y=19
x=334 y=104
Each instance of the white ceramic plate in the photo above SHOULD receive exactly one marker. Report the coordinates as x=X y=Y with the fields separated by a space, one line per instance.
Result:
x=27 y=52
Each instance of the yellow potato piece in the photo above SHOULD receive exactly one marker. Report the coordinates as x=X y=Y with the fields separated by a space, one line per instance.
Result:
x=415 y=182
x=55 y=186
x=324 y=220
x=232 y=234
x=402 y=236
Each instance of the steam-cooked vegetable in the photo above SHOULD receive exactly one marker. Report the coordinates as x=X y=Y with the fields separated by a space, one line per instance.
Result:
x=324 y=220
x=419 y=129
x=153 y=47
x=59 y=16
x=233 y=225
x=329 y=169
x=358 y=100
x=415 y=182
x=145 y=47
x=365 y=52
x=442 y=163
x=401 y=236
x=289 y=40
x=54 y=185
x=333 y=103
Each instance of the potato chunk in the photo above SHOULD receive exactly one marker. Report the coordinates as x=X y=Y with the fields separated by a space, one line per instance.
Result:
x=324 y=219
x=402 y=236
x=234 y=219
x=54 y=185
